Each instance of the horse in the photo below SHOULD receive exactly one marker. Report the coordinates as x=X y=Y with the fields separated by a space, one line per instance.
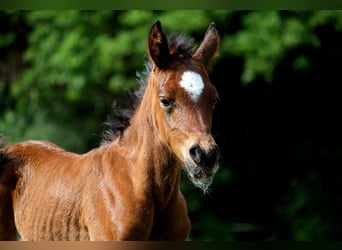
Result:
x=128 y=188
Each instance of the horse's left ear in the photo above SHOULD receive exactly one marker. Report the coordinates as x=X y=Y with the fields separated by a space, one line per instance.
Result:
x=209 y=46
x=158 y=47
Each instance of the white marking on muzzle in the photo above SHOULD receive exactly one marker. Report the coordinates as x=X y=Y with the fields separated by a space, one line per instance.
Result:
x=193 y=84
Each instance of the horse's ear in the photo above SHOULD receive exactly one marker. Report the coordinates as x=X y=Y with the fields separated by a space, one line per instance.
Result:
x=158 y=47
x=209 y=46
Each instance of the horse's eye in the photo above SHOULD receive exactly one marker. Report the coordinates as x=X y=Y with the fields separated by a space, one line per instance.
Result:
x=215 y=102
x=165 y=102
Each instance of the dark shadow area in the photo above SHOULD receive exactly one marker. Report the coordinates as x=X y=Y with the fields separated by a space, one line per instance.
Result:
x=281 y=143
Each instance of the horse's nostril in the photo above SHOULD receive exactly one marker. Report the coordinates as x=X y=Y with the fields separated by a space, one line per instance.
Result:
x=211 y=156
x=206 y=159
x=196 y=154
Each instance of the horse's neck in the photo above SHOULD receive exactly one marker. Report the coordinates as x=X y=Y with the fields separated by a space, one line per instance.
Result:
x=152 y=157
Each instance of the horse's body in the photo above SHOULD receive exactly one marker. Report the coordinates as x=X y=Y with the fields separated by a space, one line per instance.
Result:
x=128 y=188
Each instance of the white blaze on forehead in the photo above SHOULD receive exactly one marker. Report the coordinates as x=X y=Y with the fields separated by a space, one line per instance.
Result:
x=193 y=84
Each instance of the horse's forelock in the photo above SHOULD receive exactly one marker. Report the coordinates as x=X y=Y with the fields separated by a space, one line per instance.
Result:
x=181 y=45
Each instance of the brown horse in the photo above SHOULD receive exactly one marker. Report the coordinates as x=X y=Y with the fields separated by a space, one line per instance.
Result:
x=128 y=188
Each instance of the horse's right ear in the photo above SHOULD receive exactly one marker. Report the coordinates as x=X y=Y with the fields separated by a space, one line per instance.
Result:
x=209 y=46
x=158 y=47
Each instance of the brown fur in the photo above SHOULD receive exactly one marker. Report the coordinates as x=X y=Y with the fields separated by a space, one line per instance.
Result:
x=128 y=188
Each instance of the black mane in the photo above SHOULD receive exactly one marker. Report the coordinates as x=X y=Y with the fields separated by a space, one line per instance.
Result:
x=119 y=120
x=121 y=114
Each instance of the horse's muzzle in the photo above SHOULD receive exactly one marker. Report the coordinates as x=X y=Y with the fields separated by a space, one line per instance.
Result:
x=206 y=159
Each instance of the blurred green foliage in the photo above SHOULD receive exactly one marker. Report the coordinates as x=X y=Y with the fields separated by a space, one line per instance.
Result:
x=60 y=71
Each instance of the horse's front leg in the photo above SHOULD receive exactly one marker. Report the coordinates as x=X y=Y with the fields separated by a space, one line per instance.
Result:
x=173 y=224
x=119 y=224
x=119 y=232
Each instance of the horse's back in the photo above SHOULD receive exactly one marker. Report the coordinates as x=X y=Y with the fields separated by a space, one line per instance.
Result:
x=46 y=195
x=28 y=160
x=28 y=149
